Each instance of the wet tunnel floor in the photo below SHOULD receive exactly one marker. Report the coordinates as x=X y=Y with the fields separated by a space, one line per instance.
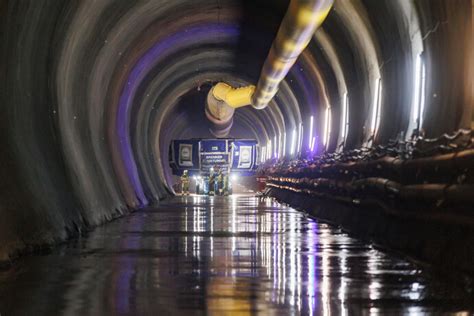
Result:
x=238 y=255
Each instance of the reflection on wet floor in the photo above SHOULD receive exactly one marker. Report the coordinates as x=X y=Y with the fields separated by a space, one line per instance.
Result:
x=238 y=255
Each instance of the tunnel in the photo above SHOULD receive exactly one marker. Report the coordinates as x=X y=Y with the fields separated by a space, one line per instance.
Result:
x=364 y=148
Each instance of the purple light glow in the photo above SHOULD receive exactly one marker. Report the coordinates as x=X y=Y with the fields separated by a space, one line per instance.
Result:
x=139 y=72
x=125 y=269
x=304 y=81
x=309 y=93
x=313 y=141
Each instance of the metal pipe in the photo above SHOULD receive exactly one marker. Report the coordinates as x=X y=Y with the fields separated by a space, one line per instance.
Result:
x=380 y=188
x=296 y=31
x=219 y=114
x=233 y=97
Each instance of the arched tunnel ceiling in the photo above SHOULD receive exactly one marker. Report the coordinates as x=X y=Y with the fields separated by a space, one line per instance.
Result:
x=95 y=90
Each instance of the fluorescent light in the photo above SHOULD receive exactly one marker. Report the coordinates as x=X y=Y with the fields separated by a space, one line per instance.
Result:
x=300 y=138
x=379 y=110
x=422 y=92
x=293 y=142
x=280 y=146
x=269 y=149
x=313 y=141
x=297 y=147
x=275 y=150
x=376 y=108
x=327 y=127
x=264 y=152
x=284 y=144
x=416 y=91
x=346 y=100
x=310 y=140
x=345 y=118
x=418 y=101
x=326 y=117
x=299 y=141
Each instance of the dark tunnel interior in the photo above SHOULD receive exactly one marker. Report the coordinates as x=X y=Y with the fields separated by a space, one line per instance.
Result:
x=93 y=93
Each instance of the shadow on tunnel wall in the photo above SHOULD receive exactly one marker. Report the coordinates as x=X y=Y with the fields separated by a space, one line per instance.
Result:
x=37 y=201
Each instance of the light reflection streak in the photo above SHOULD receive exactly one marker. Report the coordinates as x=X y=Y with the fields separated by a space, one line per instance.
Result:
x=212 y=230
x=333 y=274
x=292 y=275
x=311 y=266
x=282 y=262
x=234 y=222
x=372 y=267
x=298 y=276
x=276 y=278
x=325 y=289
x=288 y=254
x=343 y=287
x=186 y=220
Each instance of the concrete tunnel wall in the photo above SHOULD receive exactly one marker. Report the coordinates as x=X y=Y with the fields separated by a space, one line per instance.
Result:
x=93 y=91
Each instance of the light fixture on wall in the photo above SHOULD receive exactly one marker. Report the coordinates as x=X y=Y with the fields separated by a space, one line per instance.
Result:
x=345 y=118
x=269 y=149
x=376 y=108
x=327 y=127
x=280 y=146
x=419 y=93
x=300 y=138
x=293 y=142
x=275 y=145
x=313 y=142
x=418 y=103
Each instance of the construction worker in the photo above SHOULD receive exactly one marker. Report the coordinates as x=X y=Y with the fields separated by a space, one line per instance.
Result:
x=212 y=180
x=220 y=183
x=226 y=184
x=185 y=183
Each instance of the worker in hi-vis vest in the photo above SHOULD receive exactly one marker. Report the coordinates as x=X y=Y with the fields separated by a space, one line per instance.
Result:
x=212 y=181
x=185 y=183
